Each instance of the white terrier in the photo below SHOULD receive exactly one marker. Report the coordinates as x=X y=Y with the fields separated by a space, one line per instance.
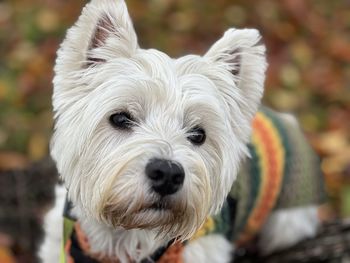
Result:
x=149 y=148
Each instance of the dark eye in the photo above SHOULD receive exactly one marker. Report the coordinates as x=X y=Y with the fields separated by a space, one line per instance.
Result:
x=197 y=135
x=121 y=120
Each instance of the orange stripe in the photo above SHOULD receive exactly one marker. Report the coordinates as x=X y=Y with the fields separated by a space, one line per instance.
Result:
x=270 y=150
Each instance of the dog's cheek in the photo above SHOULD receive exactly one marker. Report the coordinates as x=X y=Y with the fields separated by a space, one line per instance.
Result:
x=222 y=159
x=212 y=156
x=127 y=196
x=198 y=187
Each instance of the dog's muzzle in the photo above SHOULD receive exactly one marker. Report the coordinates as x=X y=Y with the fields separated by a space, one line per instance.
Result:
x=166 y=176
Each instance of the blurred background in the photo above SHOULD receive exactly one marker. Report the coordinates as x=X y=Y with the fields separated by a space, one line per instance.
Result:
x=308 y=45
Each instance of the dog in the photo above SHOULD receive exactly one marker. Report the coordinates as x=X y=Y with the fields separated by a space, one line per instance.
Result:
x=171 y=160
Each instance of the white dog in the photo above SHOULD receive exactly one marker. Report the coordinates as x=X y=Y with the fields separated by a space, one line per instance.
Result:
x=149 y=148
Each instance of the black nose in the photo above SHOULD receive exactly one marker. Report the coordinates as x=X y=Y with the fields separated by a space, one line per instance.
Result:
x=166 y=176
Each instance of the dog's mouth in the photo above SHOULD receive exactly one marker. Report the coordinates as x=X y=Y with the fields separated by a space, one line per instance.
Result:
x=148 y=215
x=157 y=206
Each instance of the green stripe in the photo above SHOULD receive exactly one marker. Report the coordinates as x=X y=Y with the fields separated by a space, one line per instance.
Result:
x=252 y=180
x=68 y=226
x=62 y=254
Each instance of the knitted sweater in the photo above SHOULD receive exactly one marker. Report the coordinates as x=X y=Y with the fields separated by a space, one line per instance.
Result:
x=282 y=172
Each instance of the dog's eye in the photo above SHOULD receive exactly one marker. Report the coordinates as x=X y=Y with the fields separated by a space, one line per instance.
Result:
x=121 y=120
x=197 y=135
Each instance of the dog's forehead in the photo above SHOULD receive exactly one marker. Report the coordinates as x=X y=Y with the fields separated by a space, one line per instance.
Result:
x=181 y=77
x=151 y=81
x=177 y=74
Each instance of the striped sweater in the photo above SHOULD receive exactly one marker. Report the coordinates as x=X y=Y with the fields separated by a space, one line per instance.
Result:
x=282 y=172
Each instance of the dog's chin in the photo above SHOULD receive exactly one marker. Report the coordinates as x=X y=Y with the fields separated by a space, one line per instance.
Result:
x=149 y=216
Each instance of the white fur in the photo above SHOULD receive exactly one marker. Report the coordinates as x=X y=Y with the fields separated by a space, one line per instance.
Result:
x=100 y=70
x=287 y=227
x=209 y=249
x=117 y=242
x=53 y=226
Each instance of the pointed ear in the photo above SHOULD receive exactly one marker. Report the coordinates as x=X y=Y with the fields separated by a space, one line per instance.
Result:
x=103 y=31
x=242 y=54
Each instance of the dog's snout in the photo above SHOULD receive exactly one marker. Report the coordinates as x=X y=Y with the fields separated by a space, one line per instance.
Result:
x=166 y=176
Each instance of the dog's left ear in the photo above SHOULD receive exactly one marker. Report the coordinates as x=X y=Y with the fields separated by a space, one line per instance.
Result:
x=103 y=31
x=113 y=33
x=241 y=53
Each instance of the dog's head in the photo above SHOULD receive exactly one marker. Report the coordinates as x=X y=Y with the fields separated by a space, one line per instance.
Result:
x=143 y=140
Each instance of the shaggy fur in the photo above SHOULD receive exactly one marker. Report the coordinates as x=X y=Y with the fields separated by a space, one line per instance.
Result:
x=101 y=70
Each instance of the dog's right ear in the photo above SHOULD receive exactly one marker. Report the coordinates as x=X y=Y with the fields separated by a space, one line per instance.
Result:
x=103 y=31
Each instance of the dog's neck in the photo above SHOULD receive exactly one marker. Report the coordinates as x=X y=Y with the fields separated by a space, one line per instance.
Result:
x=135 y=244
